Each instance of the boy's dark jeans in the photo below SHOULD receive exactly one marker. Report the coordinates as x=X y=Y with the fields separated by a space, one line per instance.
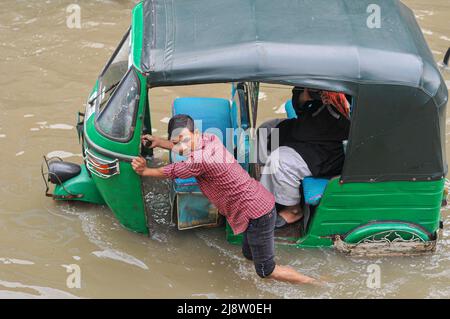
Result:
x=259 y=244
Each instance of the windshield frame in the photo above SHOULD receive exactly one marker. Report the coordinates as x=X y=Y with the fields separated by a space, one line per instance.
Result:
x=99 y=98
x=135 y=112
x=116 y=51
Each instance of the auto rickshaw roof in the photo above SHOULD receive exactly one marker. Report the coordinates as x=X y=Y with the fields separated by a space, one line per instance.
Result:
x=321 y=43
x=398 y=123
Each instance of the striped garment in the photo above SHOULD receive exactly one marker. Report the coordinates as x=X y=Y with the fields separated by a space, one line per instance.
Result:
x=224 y=182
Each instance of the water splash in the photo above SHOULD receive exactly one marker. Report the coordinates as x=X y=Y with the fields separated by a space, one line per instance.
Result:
x=120 y=256
x=62 y=154
x=8 y=261
x=90 y=227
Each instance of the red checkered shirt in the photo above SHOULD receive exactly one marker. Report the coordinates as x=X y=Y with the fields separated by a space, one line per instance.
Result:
x=224 y=182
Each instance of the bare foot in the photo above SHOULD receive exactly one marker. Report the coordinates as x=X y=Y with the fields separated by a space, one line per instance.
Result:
x=292 y=214
x=289 y=274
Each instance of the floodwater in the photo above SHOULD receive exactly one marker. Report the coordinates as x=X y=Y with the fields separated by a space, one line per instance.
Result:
x=46 y=72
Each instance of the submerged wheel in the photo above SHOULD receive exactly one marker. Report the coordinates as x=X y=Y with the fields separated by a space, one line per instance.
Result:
x=387 y=232
x=386 y=239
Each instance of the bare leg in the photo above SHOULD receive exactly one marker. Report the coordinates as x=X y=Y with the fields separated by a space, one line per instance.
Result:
x=291 y=214
x=290 y=275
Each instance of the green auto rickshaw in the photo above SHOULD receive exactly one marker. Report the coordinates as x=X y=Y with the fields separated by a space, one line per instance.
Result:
x=389 y=196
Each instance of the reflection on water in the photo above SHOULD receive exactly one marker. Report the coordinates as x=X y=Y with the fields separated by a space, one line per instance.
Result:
x=61 y=154
x=47 y=73
x=18 y=291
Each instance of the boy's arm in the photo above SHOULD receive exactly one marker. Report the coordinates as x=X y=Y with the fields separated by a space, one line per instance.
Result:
x=175 y=170
x=165 y=144
x=154 y=141
x=154 y=172
x=140 y=167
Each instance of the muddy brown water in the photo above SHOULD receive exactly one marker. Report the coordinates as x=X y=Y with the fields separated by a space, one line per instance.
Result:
x=46 y=72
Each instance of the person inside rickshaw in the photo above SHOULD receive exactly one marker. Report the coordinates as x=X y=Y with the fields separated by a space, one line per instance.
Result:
x=309 y=145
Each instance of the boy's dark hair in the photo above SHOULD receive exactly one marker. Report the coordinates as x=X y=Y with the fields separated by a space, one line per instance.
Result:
x=180 y=121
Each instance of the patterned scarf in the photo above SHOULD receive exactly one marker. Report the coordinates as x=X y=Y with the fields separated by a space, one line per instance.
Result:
x=338 y=100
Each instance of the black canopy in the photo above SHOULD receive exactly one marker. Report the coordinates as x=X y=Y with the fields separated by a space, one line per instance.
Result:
x=398 y=121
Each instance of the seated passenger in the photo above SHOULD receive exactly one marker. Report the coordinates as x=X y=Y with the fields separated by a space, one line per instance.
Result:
x=310 y=145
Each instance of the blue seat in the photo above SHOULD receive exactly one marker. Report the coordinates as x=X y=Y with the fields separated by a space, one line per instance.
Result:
x=192 y=208
x=313 y=189
x=215 y=116
x=290 y=112
x=214 y=113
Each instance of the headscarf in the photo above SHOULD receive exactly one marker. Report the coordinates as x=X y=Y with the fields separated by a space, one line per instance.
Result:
x=338 y=100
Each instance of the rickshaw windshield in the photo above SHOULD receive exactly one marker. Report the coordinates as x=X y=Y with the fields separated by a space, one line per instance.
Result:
x=117 y=118
x=114 y=71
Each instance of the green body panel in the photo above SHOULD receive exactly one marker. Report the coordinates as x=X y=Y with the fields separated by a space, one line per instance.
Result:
x=123 y=195
x=231 y=238
x=344 y=208
x=136 y=38
x=123 y=192
x=81 y=184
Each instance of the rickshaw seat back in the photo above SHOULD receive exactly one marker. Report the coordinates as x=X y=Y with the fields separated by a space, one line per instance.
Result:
x=192 y=208
x=215 y=117
x=214 y=114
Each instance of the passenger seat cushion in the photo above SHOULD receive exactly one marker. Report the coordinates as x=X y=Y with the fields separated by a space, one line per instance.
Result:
x=186 y=185
x=313 y=189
